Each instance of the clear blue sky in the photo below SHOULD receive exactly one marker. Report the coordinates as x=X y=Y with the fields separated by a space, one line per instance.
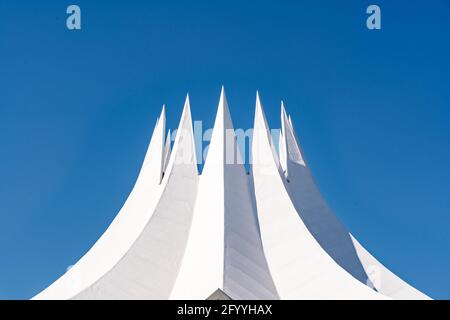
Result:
x=77 y=108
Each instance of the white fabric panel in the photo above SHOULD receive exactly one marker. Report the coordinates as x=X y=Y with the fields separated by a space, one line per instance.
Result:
x=282 y=154
x=384 y=280
x=166 y=156
x=122 y=232
x=313 y=210
x=247 y=275
x=301 y=269
x=224 y=249
x=149 y=269
x=323 y=224
x=201 y=271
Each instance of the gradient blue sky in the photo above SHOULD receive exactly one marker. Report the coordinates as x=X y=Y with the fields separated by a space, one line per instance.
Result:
x=77 y=108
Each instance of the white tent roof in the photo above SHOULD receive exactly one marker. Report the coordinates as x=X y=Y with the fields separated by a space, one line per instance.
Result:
x=264 y=235
x=224 y=249
x=139 y=255
x=327 y=229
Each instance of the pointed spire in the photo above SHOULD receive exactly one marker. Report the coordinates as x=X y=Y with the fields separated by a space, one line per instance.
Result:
x=222 y=100
x=293 y=152
x=163 y=112
x=259 y=113
x=185 y=120
x=284 y=120
x=166 y=151
x=230 y=148
x=154 y=157
x=261 y=136
x=222 y=138
x=282 y=151
x=283 y=110
x=162 y=120
x=223 y=113
x=183 y=151
x=186 y=117
x=260 y=117
x=291 y=127
x=186 y=113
